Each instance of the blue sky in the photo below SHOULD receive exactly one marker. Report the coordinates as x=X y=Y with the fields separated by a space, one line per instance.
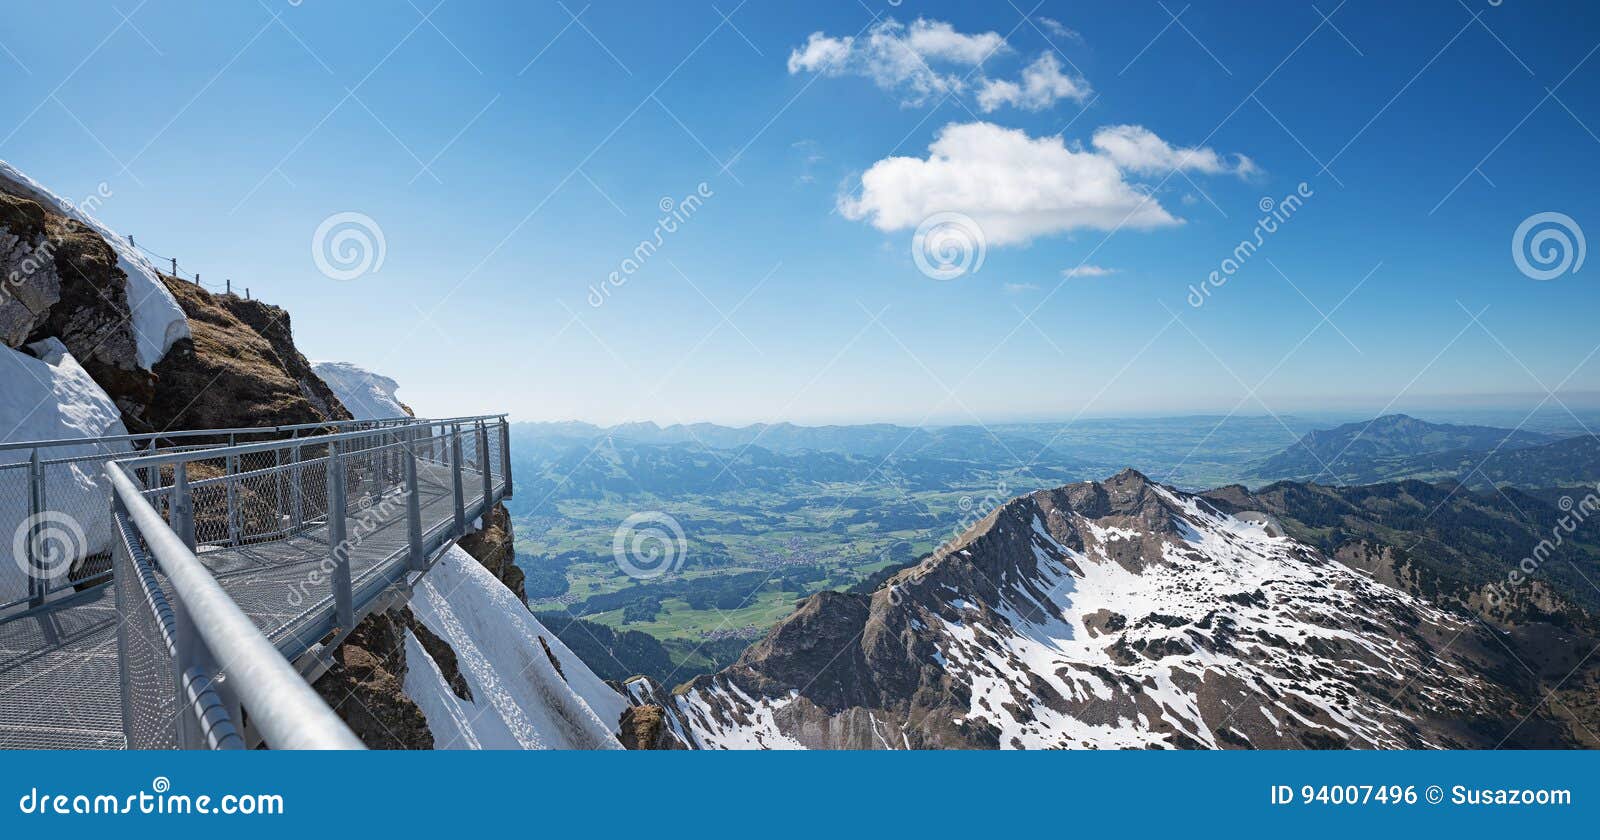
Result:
x=513 y=158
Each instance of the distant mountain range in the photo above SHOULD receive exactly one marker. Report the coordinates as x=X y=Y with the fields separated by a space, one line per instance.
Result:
x=1193 y=452
x=1388 y=447
x=1565 y=463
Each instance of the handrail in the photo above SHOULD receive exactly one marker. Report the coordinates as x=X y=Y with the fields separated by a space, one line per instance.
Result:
x=289 y=714
x=166 y=458
x=236 y=430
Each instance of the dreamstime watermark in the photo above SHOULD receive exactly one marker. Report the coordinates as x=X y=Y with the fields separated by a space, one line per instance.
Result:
x=159 y=799
x=90 y=202
x=1574 y=514
x=45 y=545
x=972 y=511
x=348 y=246
x=648 y=545
x=948 y=245
x=373 y=516
x=674 y=214
x=1548 y=245
x=1275 y=214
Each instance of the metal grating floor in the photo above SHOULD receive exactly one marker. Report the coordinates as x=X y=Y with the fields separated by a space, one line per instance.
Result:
x=59 y=681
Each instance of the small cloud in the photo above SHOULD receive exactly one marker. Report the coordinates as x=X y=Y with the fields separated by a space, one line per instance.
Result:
x=810 y=155
x=1019 y=288
x=1041 y=86
x=1087 y=271
x=1059 y=30
x=1135 y=148
x=899 y=58
x=1189 y=198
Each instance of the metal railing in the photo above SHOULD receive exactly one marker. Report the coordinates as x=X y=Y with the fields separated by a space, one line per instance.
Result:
x=233 y=562
x=55 y=507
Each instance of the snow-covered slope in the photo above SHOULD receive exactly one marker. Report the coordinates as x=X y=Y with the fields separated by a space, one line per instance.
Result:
x=519 y=699
x=367 y=395
x=51 y=398
x=1120 y=614
x=157 y=319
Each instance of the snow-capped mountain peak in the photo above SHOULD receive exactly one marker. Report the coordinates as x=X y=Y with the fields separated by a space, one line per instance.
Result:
x=1116 y=614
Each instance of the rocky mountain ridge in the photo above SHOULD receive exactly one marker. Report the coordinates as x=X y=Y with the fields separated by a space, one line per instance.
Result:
x=1121 y=614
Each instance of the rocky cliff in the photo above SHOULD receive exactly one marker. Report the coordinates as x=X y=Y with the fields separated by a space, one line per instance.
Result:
x=240 y=367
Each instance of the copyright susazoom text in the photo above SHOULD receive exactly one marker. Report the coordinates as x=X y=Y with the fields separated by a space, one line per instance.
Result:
x=1378 y=795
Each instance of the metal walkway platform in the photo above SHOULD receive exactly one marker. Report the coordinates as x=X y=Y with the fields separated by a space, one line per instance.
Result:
x=72 y=669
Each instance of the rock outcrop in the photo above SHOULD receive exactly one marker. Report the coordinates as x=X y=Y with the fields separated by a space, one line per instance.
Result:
x=364 y=686
x=240 y=367
x=495 y=547
x=61 y=280
x=646 y=728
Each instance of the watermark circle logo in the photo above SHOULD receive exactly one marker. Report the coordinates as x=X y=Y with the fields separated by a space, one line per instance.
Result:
x=648 y=545
x=1548 y=245
x=161 y=784
x=948 y=245
x=348 y=246
x=46 y=544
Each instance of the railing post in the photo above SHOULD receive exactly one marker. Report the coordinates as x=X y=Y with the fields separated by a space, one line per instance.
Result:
x=338 y=550
x=483 y=467
x=231 y=464
x=152 y=473
x=373 y=460
x=415 y=559
x=280 y=483
x=182 y=517
x=38 y=583
x=505 y=454
x=455 y=474
x=297 y=491
x=191 y=653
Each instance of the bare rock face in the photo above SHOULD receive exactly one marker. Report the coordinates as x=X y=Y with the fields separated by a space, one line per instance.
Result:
x=439 y=651
x=240 y=367
x=495 y=547
x=1119 y=614
x=61 y=280
x=645 y=728
x=365 y=683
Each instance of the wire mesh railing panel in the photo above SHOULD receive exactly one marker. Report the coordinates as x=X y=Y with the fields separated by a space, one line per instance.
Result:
x=145 y=651
x=496 y=454
x=15 y=511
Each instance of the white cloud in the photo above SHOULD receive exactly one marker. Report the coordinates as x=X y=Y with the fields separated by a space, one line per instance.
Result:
x=1058 y=29
x=1042 y=85
x=1087 y=271
x=937 y=40
x=1137 y=149
x=898 y=58
x=1015 y=187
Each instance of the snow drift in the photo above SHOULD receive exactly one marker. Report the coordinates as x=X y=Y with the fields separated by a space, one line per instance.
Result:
x=52 y=398
x=367 y=395
x=520 y=699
